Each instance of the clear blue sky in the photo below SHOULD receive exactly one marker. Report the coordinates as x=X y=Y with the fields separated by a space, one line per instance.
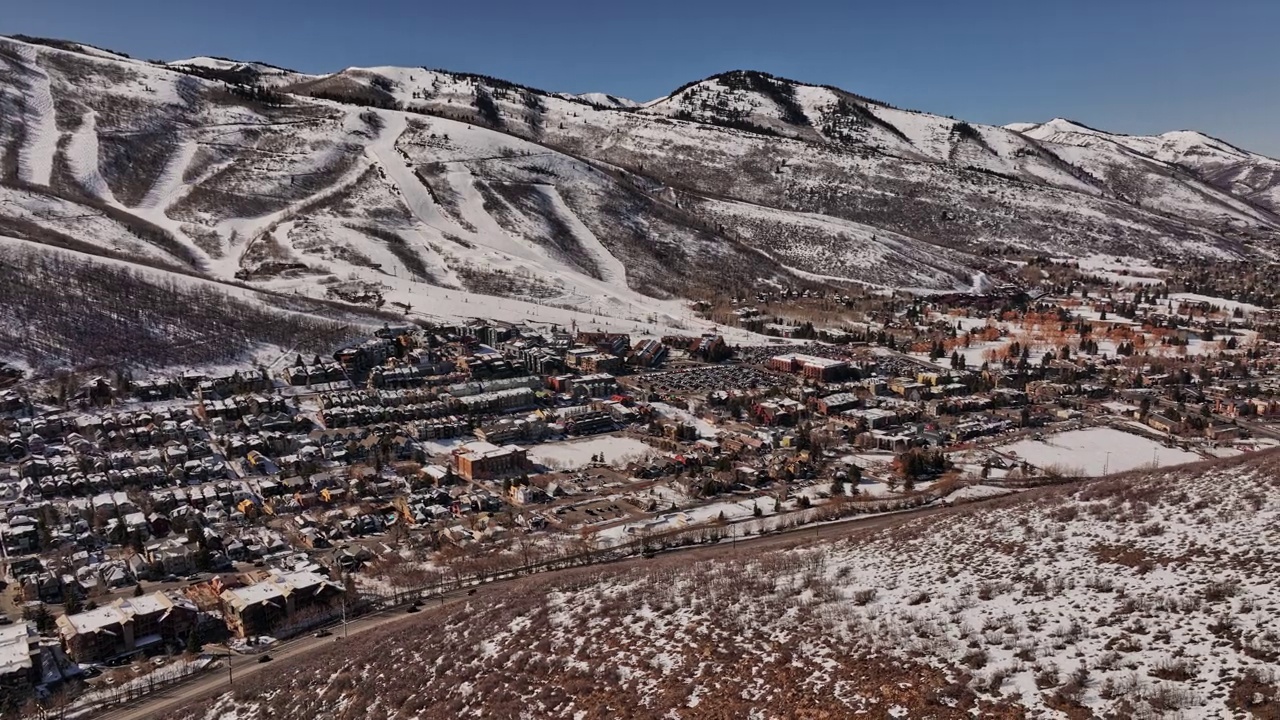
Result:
x=1136 y=66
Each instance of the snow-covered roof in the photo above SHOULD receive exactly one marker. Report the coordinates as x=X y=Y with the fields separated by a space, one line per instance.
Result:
x=810 y=360
x=255 y=594
x=481 y=449
x=117 y=613
x=95 y=620
x=276 y=588
x=15 y=648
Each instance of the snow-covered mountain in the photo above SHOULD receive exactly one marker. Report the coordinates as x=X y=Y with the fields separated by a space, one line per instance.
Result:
x=603 y=100
x=464 y=195
x=1252 y=177
x=239 y=72
x=788 y=146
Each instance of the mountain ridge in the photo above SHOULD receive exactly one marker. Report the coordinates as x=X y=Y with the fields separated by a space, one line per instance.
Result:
x=627 y=103
x=467 y=195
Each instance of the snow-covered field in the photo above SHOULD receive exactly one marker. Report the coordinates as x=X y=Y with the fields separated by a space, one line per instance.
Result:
x=1227 y=306
x=574 y=454
x=1094 y=451
x=705 y=429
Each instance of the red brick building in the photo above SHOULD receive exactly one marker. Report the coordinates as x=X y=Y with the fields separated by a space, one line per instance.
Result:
x=485 y=461
x=816 y=368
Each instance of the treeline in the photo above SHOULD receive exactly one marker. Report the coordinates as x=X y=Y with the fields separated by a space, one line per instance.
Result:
x=731 y=123
x=400 y=248
x=144 y=230
x=62 y=44
x=781 y=92
x=58 y=311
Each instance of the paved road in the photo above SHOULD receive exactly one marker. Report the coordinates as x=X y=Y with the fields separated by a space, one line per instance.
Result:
x=216 y=681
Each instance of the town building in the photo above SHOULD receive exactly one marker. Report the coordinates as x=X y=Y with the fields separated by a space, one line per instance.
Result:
x=612 y=343
x=816 y=368
x=647 y=353
x=485 y=461
x=507 y=430
x=597 y=385
x=19 y=660
x=283 y=601
x=837 y=403
x=589 y=422
x=127 y=626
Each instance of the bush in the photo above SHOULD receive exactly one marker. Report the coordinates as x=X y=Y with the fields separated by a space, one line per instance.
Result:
x=864 y=597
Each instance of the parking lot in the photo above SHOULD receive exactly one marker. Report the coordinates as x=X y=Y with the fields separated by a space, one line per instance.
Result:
x=708 y=378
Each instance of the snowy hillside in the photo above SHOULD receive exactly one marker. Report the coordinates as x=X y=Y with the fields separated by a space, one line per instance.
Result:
x=1248 y=176
x=1148 y=595
x=603 y=100
x=237 y=71
x=339 y=202
x=456 y=195
x=752 y=137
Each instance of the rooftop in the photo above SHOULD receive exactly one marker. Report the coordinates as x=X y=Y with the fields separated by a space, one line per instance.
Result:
x=481 y=449
x=811 y=360
x=118 y=612
x=15 y=648
x=276 y=588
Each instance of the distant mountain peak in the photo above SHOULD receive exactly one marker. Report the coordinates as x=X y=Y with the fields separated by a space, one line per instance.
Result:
x=601 y=100
x=213 y=62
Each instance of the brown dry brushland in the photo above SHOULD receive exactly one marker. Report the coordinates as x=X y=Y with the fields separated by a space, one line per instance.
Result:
x=1147 y=595
x=525 y=653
